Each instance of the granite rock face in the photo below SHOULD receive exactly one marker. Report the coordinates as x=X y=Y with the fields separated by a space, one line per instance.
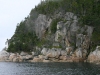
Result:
x=42 y=23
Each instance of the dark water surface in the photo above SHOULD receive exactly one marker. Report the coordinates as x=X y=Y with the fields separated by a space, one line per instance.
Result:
x=9 y=68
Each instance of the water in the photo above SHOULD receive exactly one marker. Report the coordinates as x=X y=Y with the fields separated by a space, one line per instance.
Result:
x=9 y=68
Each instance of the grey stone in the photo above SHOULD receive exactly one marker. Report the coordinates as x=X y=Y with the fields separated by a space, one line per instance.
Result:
x=53 y=53
x=94 y=56
x=4 y=55
x=23 y=53
x=44 y=51
x=63 y=53
x=79 y=52
x=41 y=24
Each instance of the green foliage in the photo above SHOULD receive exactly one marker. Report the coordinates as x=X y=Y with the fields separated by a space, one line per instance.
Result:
x=53 y=26
x=22 y=40
x=47 y=7
x=96 y=36
x=41 y=42
x=33 y=14
x=88 y=11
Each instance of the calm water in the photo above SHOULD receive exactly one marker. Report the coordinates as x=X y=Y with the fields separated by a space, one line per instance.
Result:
x=8 y=68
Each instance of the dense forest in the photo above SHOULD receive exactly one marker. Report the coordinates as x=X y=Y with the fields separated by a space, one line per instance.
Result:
x=88 y=11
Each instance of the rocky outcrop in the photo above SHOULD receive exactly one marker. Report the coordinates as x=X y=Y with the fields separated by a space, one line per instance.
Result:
x=53 y=55
x=94 y=57
x=42 y=23
x=70 y=35
x=15 y=57
x=70 y=42
x=4 y=55
x=23 y=53
x=36 y=59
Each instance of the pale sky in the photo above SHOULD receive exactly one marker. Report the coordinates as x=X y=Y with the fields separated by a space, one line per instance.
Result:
x=11 y=13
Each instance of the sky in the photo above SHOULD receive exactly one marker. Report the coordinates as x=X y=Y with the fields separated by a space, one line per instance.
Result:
x=11 y=13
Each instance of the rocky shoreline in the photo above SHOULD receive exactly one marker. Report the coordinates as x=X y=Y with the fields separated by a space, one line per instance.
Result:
x=71 y=42
x=50 y=55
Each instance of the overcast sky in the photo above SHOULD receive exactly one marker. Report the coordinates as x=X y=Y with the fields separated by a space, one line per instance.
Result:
x=11 y=13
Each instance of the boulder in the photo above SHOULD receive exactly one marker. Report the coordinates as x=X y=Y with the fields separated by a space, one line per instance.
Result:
x=50 y=55
x=41 y=56
x=33 y=53
x=84 y=54
x=20 y=60
x=12 y=56
x=95 y=55
x=15 y=59
x=44 y=51
x=23 y=53
x=77 y=59
x=63 y=52
x=92 y=58
x=22 y=57
x=28 y=57
x=36 y=59
x=79 y=52
x=69 y=50
x=4 y=55
x=62 y=57
x=53 y=59
x=53 y=53
x=46 y=60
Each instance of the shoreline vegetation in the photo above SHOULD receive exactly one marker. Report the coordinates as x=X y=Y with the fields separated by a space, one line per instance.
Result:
x=57 y=31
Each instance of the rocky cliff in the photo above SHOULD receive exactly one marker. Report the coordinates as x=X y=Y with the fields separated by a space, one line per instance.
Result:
x=70 y=38
x=53 y=33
